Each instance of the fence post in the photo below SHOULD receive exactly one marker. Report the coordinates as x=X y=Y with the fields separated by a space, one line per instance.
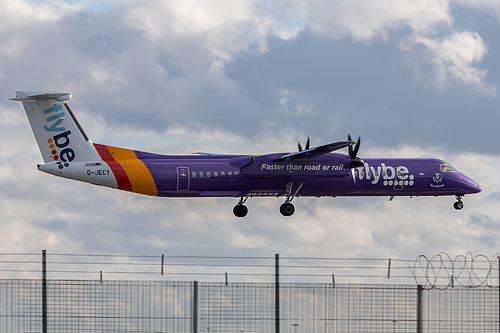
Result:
x=195 y=307
x=419 y=308
x=277 y=293
x=44 y=291
x=162 y=261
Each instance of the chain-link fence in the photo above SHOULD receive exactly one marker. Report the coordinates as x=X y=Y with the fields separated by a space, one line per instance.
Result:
x=165 y=306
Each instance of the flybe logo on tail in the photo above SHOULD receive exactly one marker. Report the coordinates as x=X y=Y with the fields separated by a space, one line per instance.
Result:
x=58 y=143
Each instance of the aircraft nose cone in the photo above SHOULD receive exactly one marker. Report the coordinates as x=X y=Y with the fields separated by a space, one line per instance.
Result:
x=476 y=187
x=471 y=186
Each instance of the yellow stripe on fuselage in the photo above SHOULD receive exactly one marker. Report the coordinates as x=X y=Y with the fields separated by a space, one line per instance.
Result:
x=137 y=172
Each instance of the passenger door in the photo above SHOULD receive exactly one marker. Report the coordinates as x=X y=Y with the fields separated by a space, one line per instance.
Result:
x=183 y=179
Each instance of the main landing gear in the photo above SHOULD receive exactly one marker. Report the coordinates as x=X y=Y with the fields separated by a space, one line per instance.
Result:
x=459 y=204
x=240 y=210
x=287 y=208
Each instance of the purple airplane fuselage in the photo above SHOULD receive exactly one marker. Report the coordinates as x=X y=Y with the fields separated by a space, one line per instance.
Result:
x=327 y=175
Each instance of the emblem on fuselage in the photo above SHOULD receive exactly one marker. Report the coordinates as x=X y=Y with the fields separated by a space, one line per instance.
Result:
x=438 y=180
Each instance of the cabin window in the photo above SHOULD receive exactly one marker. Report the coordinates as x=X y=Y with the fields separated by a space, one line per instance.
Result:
x=447 y=168
x=193 y=174
x=201 y=173
x=230 y=174
x=222 y=174
x=216 y=174
x=209 y=174
x=236 y=174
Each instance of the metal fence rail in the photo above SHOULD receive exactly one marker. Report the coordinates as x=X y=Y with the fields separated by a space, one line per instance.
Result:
x=166 y=306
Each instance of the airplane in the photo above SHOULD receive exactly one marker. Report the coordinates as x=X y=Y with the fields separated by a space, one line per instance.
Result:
x=318 y=171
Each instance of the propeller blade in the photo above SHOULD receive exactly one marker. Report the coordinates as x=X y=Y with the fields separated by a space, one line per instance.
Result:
x=308 y=144
x=355 y=151
x=349 y=138
x=356 y=162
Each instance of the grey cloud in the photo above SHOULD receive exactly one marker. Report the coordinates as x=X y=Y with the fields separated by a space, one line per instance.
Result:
x=483 y=221
x=271 y=89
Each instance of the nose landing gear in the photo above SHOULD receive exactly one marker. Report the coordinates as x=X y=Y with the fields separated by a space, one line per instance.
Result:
x=458 y=205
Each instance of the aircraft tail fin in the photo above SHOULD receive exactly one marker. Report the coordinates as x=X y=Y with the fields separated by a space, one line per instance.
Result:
x=58 y=133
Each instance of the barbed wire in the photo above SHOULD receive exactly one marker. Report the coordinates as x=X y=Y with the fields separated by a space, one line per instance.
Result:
x=442 y=271
x=439 y=271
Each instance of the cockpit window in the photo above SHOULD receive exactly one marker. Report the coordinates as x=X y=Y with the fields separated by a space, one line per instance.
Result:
x=447 y=168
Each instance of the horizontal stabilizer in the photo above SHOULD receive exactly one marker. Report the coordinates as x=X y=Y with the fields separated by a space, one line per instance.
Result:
x=35 y=95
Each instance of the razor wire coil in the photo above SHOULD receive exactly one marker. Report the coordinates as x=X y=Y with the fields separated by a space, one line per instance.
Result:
x=442 y=271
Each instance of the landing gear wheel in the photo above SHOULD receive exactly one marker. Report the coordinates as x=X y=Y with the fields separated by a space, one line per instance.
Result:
x=459 y=204
x=240 y=210
x=287 y=209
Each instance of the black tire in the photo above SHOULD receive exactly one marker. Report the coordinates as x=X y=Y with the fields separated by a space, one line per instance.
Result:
x=458 y=205
x=287 y=209
x=240 y=210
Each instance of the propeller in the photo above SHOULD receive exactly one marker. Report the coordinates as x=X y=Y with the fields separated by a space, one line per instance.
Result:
x=356 y=162
x=308 y=143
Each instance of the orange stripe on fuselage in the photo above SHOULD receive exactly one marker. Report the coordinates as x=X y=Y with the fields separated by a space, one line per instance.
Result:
x=137 y=172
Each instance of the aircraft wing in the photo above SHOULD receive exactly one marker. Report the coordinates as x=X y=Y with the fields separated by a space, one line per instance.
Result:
x=247 y=160
x=316 y=151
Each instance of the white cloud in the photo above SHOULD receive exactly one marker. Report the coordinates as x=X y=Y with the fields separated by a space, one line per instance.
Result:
x=23 y=12
x=366 y=20
x=455 y=59
x=224 y=28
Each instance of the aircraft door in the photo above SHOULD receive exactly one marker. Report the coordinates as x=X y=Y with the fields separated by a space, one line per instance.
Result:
x=183 y=179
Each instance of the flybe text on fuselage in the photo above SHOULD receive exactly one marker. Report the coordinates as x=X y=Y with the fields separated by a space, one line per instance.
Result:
x=386 y=173
x=60 y=136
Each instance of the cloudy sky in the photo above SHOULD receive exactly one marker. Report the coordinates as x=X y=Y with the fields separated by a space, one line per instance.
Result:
x=412 y=78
